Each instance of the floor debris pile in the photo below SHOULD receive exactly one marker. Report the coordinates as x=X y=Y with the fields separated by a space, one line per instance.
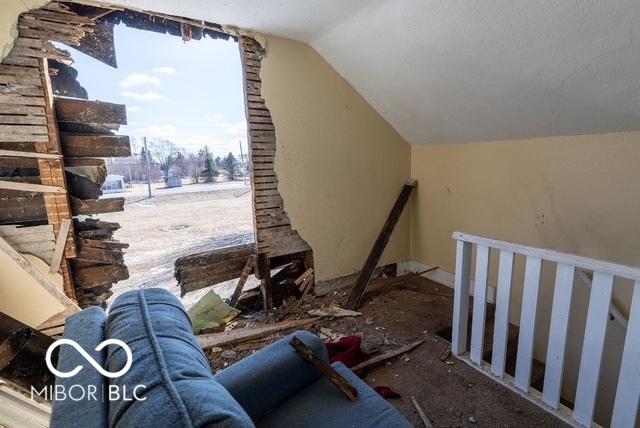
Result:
x=396 y=329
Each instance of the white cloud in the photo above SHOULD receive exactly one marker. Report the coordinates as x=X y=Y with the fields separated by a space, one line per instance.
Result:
x=144 y=96
x=217 y=121
x=133 y=108
x=165 y=70
x=137 y=79
x=190 y=142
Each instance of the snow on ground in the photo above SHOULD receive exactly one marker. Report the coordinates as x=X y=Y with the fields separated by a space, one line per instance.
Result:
x=176 y=222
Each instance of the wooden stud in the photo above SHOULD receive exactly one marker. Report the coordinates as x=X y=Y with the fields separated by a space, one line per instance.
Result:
x=65 y=226
x=248 y=268
x=355 y=295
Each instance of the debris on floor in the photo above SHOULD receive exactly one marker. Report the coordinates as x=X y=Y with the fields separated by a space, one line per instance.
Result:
x=333 y=311
x=397 y=329
x=211 y=312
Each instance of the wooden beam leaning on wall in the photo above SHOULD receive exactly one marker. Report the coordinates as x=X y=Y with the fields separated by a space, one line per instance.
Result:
x=355 y=295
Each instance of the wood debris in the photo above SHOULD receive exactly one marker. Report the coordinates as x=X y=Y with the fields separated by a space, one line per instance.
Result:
x=387 y=355
x=333 y=311
x=423 y=416
x=330 y=373
x=200 y=270
x=13 y=345
x=38 y=241
x=246 y=271
x=99 y=263
x=208 y=341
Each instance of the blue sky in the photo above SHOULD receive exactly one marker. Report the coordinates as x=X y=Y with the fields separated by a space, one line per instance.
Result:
x=189 y=93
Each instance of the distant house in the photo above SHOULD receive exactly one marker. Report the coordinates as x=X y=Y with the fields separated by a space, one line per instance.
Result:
x=173 y=181
x=113 y=184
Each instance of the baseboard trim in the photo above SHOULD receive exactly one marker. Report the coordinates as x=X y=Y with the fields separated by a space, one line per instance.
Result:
x=440 y=276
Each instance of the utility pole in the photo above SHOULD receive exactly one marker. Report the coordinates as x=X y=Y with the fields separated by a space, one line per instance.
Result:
x=147 y=155
x=242 y=164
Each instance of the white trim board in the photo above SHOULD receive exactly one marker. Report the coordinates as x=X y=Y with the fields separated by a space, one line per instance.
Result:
x=441 y=276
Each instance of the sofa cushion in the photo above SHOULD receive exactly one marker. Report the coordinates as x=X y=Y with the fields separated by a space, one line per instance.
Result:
x=321 y=404
x=179 y=387
x=276 y=369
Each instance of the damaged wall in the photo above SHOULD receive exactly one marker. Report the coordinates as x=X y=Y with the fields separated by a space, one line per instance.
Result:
x=576 y=194
x=341 y=166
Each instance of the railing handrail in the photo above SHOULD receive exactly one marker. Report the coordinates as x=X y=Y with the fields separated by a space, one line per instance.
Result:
x=555 y=256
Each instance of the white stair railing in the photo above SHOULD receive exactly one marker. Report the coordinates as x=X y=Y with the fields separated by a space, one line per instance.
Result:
x=628 y=388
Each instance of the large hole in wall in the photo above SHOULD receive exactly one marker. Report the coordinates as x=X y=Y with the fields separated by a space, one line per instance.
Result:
x=82 y=131
x=188 y=190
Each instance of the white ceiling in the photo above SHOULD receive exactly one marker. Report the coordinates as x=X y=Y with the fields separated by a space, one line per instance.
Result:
x=464 y=71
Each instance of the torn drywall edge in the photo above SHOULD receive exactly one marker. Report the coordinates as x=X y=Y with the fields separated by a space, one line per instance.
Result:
x=11 y=11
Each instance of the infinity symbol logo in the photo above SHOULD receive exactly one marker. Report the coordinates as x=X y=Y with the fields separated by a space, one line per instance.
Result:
x=88 y=357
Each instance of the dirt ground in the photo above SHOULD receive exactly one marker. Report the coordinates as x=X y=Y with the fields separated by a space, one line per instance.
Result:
x=451 y=393
x=173 y=224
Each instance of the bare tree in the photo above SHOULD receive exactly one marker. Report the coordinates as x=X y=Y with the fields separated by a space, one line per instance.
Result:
x=195 y=165
x=165 y=153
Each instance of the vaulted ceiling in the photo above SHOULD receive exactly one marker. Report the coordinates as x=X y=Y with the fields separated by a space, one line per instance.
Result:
x=464 y=71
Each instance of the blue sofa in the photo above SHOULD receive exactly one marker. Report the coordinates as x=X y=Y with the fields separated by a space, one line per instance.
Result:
x=171 y=384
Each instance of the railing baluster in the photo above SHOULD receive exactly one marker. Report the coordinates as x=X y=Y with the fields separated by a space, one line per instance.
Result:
x=524 y=358
x=501 y=323
x=461 y=298
x=479 y=303
x=591 y=359
x=625 y=408
x=558 y=334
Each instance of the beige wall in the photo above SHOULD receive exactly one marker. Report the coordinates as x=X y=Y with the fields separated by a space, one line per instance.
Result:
x=340 y=165
x=22 y=297
x=578 y=194
x=8 y=18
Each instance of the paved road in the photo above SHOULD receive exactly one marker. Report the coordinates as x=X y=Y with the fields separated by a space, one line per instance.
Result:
x=158 y=189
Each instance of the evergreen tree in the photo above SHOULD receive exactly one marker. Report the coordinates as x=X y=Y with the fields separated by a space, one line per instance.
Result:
x=210 y=170
x=231 y=165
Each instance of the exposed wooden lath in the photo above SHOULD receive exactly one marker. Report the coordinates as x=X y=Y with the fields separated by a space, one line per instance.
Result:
x=32 y=150
x=274 y=234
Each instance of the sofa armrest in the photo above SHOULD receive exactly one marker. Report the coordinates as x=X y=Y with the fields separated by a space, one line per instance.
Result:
x=86 y=328
x=265 y=379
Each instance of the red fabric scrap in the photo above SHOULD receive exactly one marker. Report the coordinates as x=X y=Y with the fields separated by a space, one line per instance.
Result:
x=386 y=392
x=347 y=351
